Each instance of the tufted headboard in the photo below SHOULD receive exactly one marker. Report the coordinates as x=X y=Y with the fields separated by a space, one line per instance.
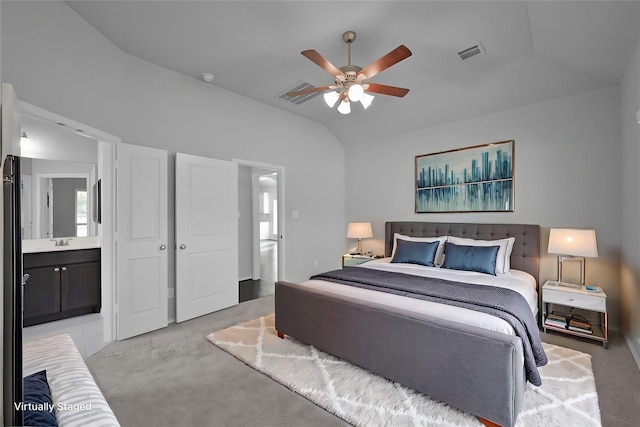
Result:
x=526 y=249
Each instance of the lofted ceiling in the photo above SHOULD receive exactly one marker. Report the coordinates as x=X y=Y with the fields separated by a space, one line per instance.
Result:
x=535 y=50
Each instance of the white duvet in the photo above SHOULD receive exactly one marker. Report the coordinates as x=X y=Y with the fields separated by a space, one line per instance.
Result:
x=519 y=281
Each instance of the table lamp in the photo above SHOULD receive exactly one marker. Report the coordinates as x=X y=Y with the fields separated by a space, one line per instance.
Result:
x=359 y=230
x=572 y=244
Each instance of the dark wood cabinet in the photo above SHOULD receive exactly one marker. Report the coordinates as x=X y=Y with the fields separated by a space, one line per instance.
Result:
x=61 y=284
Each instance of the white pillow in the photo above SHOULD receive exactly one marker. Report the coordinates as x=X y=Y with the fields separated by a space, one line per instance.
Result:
x=439 y=258
x=503 y=259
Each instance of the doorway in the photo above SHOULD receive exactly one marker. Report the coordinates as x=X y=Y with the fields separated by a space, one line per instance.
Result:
x=59 y=147
x=260 y=228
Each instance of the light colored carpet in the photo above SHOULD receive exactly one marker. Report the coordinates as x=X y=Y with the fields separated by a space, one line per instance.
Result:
x=567 y=396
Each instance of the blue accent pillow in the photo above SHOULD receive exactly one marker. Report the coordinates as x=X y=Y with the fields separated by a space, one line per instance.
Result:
x=471 y=258
x=38 y=407
x=423 y=253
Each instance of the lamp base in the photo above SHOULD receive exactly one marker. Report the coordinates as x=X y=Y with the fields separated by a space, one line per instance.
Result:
x=569 y=285
x=562 y=259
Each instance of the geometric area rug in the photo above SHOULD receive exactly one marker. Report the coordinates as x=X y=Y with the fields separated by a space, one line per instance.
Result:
x=567 y=396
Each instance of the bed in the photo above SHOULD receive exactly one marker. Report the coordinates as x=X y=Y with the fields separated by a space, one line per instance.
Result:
x=477 y=368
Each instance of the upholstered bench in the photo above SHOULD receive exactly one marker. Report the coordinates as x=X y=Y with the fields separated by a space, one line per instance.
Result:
x=76 y=398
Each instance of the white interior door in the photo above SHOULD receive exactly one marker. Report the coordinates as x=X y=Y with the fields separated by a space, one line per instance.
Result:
x=206 y=235
x=142 y=262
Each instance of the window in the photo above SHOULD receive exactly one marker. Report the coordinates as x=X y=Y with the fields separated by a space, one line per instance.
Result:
x=81 y=213
x=265 y=203
x=275 y=217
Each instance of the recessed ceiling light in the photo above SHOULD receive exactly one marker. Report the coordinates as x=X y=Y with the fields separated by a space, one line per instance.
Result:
x=207 y=77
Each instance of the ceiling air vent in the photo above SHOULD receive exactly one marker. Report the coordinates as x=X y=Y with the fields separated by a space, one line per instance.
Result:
x=471 y=52
x=301 y=98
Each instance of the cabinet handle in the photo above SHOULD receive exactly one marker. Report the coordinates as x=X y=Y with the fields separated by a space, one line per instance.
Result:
x=56 y=269
x=183 y=246
x=163 y=247
x=64 y=268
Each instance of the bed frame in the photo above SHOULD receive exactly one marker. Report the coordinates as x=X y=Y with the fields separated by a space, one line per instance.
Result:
x=473 y=369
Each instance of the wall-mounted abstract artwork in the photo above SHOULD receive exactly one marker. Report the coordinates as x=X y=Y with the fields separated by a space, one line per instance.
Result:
x=472 y=179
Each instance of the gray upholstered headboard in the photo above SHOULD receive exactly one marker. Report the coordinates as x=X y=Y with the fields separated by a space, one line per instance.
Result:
x=526 y=249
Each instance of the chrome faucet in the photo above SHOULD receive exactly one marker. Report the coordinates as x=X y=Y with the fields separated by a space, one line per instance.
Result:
x=60 y=242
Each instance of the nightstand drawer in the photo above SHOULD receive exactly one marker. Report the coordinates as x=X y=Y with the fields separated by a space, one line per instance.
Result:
x=588 y=302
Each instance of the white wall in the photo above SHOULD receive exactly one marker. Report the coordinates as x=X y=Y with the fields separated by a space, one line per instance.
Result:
x=57 y=61
x=245 y=253
x=567 y=174
x=630 y=257
x=53 y=142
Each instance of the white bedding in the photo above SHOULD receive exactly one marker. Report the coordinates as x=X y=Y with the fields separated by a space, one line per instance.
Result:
x=519 y=281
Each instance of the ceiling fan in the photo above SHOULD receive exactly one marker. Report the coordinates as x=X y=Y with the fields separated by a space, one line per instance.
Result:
x=350 y=81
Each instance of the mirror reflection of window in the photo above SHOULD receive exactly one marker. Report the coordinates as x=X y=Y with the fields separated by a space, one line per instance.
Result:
x=81 y=213
x=275 y=217
x=265 y=203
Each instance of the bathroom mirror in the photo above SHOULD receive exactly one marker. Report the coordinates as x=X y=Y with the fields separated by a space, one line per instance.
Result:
x=58 y=174
x=57 y=199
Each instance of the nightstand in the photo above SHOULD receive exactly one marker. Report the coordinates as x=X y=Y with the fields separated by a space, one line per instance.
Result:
x=570 y=298
x=349 y=260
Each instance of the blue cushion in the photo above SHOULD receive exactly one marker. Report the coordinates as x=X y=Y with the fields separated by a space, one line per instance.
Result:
x=471 y=258
x=423 y=253
x=38 y=396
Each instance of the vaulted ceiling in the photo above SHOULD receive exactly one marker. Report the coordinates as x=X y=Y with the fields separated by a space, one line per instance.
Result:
x=535 y=50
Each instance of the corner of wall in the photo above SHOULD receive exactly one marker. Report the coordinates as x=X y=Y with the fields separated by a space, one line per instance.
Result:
x=634 y=347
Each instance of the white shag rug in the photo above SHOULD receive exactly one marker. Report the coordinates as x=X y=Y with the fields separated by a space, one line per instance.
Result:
x=567 y=396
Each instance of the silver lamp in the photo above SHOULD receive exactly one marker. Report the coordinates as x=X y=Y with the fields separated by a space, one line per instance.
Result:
x=359 y=230
x=572 y=244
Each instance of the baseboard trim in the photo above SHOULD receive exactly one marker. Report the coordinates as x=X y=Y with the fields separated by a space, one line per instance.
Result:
x=635 y=351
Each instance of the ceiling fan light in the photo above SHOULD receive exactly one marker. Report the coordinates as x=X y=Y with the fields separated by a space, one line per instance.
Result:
x=355 y=92
x=366 y=100
x=344 y=107
x=331 y=98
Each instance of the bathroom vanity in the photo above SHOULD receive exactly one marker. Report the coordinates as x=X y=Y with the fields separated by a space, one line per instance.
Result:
x=64 y=281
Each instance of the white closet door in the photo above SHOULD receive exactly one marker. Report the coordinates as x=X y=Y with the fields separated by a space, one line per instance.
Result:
x=142 y=261
x=206 y=235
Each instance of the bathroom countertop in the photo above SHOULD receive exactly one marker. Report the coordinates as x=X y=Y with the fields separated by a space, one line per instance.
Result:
x=46 y=245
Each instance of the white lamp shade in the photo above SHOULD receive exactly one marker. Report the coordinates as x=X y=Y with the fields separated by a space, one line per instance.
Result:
x=355 y=92
x=366 y=100
x=359 y=230
x=344 y=107
x=331 y=98
x=568 y=241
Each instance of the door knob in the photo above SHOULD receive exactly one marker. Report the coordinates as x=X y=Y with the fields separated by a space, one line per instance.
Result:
x=163 y=247
x=64 y=268
x=183 y=246
x=56 y=269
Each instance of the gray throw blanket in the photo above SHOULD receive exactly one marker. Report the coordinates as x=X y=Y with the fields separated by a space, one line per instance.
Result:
x=500 y=302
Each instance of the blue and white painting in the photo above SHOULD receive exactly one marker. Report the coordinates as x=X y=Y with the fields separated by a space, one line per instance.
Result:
x=474 y=179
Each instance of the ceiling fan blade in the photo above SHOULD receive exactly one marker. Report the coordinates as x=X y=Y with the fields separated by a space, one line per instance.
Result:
x=391 y=58
x=387 y=90
x=310 y=90
x=323 y=62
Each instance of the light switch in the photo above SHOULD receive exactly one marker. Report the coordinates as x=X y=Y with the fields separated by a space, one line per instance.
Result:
x=295 y=214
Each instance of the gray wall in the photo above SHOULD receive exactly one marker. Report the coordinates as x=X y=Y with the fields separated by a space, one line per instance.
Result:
x=567 y=174
x=630 y=258
x=57 y=61
x=64 y=203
